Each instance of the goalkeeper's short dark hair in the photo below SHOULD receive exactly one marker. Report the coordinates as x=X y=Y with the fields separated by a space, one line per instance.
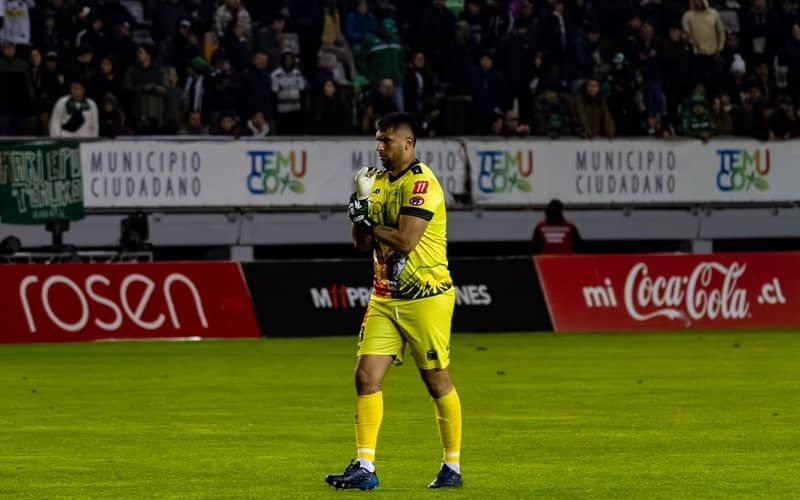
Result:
x=398 y=119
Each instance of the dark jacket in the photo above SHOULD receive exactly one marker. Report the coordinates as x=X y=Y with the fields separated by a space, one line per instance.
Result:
x=552 y=118
x=592 y=117
x=15 y=81
x=256 y=92
x=332 y=116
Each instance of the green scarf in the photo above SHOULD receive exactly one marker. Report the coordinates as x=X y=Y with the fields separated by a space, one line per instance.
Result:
x=75 y=111
x=72 y=103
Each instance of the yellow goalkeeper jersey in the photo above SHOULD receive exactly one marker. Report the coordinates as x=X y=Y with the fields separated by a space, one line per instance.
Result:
x=423 y=273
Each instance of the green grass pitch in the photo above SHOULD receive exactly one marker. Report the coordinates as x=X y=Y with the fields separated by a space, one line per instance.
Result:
x=553 y=416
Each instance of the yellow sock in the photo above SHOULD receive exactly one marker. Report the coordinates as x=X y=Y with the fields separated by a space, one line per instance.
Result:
x=448 y=416
x=369 y=413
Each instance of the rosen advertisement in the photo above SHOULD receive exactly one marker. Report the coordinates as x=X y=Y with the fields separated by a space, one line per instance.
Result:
x=66 y=303
x=650 y=292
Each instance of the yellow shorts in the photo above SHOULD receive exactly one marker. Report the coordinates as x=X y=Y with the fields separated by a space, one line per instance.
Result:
x=423 y=324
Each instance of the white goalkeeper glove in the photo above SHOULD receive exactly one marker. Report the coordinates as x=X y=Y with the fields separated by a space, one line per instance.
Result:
x=363 y=182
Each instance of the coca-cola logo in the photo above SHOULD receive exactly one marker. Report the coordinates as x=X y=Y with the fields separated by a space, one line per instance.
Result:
x=710 y=291
x=137 y=301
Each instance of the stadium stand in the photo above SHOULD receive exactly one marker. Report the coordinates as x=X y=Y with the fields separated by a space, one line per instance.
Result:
x=661 y=67
x=547 y=70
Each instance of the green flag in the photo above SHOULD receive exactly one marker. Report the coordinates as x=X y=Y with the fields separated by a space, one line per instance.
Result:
x=40 y=181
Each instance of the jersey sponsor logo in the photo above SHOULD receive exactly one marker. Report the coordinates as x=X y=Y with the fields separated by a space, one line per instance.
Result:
x=340 y=296
x=432 y=355
x=421 y=187
x=417 y=201
x=473 y=295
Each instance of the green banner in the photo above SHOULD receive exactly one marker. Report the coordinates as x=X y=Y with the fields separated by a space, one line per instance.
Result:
x=40 y=181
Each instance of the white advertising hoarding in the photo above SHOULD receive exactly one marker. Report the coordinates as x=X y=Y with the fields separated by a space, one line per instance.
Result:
x=525 y=172
x=130 y=173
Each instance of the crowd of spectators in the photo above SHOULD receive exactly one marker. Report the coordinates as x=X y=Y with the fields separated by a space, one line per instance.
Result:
x=554 y=68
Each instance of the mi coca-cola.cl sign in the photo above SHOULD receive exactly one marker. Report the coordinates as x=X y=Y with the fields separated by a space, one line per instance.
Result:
x=643 y=292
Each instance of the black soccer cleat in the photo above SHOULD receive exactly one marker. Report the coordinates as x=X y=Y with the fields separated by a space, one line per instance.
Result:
x=353 y=477
x=447 y=478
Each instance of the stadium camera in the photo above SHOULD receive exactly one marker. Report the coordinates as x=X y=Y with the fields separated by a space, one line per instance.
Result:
x=57 y=227
x=135 y=232
x=10 y=245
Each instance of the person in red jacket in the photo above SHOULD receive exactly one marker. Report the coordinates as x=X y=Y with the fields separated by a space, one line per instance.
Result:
x=555 y=234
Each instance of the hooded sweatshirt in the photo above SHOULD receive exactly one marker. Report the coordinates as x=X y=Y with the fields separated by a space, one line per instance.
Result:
x=705 y=29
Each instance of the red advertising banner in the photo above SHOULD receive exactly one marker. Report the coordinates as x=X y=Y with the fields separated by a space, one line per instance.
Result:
x=76 y=302
x=659 y=292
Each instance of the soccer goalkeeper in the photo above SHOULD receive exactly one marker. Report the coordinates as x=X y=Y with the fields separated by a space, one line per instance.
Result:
x=399 y=214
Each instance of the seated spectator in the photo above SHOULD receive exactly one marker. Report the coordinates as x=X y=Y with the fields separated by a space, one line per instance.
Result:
x=228 y=125
x=656 y=127
x=744 y=115
x=358 y=24
x=592 y=116
x=696 y=121
x=193 y=124
x=112 y=118
x=552 y=116
x=289 y=87
x=555 y=234
x=146 y=84
x=512 y=127
x=75 y=115
x=380 y=103
x=257 y=126
x=783 y=124
x=723 y=119
x=332 y=113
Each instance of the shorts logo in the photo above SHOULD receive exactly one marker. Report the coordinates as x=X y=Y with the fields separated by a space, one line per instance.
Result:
x=420 y=187
x=417 y=201
x=432 y=355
